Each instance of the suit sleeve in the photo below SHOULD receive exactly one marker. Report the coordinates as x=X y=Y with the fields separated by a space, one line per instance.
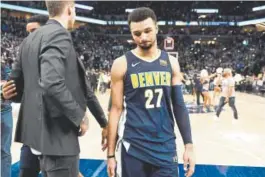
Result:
x=17 y=75
x=53 y=55
x=94 y=106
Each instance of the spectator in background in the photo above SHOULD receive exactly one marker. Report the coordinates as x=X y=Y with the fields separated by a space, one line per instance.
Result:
x=197 y=88
x=94 y=82
x=228 y=94
x=35 y=22
x=6 y=125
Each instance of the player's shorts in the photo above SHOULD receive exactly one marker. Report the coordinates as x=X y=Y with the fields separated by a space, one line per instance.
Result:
x=130 y=166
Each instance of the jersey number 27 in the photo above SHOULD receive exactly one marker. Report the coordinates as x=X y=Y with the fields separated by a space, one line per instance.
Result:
x=149 y=94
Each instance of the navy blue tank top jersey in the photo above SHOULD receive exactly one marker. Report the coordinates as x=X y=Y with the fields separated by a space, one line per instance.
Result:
x=147 y=123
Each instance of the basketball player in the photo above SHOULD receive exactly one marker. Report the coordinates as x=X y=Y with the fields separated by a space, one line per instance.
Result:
x=144 y=83
x=228 y=94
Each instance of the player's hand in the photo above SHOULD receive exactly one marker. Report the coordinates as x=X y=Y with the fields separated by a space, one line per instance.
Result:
x=111 y=167
x=9 y=90
x=84 y=125
x=226 y=100
x=189 y=158
x=104 y=137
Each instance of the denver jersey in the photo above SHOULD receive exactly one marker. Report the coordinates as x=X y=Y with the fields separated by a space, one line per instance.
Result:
x=147 y=125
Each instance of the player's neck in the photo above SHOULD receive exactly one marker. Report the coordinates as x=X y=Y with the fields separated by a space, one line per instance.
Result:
x=150 y=54
x=61 y=20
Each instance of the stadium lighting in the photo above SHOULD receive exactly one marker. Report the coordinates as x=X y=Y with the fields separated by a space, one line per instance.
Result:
x=258 y=8
x=90 y=20
x=202 y=16
x=251 y=22
x=130 y=41
x=129 y=10
x=206 y=11
x=162 y=23
x=81 y=6
x=45 y=12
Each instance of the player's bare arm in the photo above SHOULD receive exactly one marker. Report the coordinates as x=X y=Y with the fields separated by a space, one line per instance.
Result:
x=182 y=116
x=118 y=71
x=176 y=74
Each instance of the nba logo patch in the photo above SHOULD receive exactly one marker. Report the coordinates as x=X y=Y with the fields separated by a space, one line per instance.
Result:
x=163 y=62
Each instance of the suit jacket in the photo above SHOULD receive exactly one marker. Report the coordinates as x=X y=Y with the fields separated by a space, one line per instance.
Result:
x=55 y=91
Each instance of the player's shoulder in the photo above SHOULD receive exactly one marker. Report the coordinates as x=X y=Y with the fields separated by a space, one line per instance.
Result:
x=120 y=60
x=119 y=65
x=174 y=63
x=173 y=60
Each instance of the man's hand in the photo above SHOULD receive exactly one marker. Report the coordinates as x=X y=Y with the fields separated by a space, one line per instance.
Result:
x=226 y=99
x=111 y=167
x=84 y=125
x=104 y=136
x=9 y=90
x=189 y=158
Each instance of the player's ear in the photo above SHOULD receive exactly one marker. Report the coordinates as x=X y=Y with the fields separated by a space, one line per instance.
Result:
x=69 y=12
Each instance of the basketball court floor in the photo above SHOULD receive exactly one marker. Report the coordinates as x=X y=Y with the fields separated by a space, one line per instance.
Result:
x=222 y=148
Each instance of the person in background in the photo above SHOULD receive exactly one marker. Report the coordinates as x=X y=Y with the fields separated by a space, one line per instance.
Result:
x=228 y=94
x=6 y=125
x=197 y=88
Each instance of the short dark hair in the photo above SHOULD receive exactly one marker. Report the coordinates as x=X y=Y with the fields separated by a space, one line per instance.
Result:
x=140 y=14
x=41 y=19
x=56 y=7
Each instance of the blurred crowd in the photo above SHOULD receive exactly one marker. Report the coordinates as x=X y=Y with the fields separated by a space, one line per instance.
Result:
x=97 y=46
x=168 y=10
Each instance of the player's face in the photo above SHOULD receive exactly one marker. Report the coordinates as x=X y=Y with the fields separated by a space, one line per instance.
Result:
x=32 y=26
x=144 y=33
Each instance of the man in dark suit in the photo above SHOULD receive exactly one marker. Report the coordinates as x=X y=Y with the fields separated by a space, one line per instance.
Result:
x=29 y=163
x=55 y=88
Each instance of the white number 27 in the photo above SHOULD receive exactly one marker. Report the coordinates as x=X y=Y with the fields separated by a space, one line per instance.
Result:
x=149 y=94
